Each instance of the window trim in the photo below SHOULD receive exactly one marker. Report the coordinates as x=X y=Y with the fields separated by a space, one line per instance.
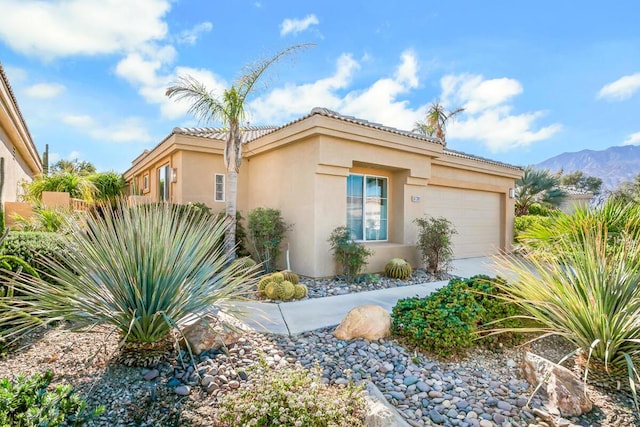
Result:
x=145 y=182
x=215 y=189
x=364 y=198
x=167 y=183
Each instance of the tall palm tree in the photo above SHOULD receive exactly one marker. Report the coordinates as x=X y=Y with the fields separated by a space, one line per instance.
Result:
x=537 y=186
x=436 y=120
x=228 y=108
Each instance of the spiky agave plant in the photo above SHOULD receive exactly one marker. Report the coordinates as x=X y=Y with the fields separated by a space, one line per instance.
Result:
x=586 y=291
x=142 y=269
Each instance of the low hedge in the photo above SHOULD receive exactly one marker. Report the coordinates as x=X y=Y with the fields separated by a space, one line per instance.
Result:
x=525 y=222
x=32 y=247
x=447 y=321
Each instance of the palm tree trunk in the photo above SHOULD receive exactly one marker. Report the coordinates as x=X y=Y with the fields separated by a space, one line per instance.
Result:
x=232 y=198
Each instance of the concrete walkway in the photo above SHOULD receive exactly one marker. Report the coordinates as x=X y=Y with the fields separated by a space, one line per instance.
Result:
x=290 y=318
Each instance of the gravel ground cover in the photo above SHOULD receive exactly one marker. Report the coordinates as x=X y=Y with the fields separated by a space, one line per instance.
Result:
x=483 y=389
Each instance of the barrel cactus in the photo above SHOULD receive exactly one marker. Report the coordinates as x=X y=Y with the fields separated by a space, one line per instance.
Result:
x=398 y=268
x=271 y=290
x=277 y=277
x=291 y=276
x=288 y=291
x=300 y=291
x=262 y=284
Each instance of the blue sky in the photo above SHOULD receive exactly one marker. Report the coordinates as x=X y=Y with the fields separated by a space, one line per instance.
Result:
x=535 y=78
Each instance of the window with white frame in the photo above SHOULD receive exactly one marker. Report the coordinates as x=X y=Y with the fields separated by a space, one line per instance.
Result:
x=367 y=207
x=164 y=177
x=218 y=191
x=145 y=182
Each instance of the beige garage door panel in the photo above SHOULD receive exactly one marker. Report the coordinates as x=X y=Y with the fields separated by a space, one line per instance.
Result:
x=475 y=215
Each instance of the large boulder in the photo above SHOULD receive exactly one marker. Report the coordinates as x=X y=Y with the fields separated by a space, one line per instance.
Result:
x=208 y=333
x=370 y=322
x=564 y=390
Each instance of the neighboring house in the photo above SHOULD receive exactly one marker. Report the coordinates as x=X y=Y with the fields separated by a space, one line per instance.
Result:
x=326 y=170
x=576 y=197
x=21 y=158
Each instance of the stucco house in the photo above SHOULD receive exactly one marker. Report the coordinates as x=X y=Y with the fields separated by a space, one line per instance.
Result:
x=326 y=170
x=21 y=158
x=576 y=198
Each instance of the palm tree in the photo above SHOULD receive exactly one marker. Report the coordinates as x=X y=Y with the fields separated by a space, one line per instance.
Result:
x=435 y=122
x=229 y=108
x=537 y=186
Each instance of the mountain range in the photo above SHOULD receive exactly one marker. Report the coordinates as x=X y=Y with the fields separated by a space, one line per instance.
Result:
x=613 y=165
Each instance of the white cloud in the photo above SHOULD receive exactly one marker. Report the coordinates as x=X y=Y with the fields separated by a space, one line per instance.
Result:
x=81 y=27
x=45 y=90
x=148 y=76
x=488 y=114
x=130 y=129
x=191 y=36
x=295 y=26
x=621 y=89
x=633 y=139
x=378 y=102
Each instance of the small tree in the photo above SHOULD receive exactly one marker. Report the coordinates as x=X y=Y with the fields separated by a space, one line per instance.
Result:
x=352 y=256
x=266 y=232
x=434 y=243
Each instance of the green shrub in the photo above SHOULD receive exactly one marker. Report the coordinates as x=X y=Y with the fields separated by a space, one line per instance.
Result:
x=36 y=247
x=351 y=255
x=292 y=396
x=109 y=186
x=541 y=210
x=143 y=270
x=266 y=232
x=241 y=234
x=434 y=243
x=398 y=268
x=447 y=321
x=522 y=224
x=30 y=402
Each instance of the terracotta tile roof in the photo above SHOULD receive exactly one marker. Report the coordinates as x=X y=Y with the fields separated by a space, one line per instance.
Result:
x=573 y=191
x=248 y=133
x=254 y=132
x=460 y=154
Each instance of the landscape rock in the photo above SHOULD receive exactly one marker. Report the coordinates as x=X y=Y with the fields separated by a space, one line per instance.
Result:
x=564 y=390
x=204 y=334
x=370 y=322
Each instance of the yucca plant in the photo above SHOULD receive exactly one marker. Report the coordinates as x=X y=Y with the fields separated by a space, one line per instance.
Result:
x=142 y=269
x=588 y=291
x=615 y=216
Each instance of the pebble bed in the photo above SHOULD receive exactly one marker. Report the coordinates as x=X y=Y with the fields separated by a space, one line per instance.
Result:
x=485 y=389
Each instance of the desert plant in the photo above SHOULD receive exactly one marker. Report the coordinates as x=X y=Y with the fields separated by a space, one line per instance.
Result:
x=30 y=402
x=266 y=232
x=292 y=396
x=521 y=224
x=109 y=186
x=449 y=319
x=277 y=286
x=398 y=268
x=300 y=291
x=291 y=276
x=434 y=243
x=586 y=291
x=33 y=248
x=614 y=217
x=351 y=255
x=44 y=220
x=143 y=270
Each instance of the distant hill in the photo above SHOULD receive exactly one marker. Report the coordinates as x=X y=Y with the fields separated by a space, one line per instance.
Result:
x=613 y=165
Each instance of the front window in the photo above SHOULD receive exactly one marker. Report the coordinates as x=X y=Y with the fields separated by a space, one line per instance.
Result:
x=367 y=204
x=163 y=183
x=218 y=195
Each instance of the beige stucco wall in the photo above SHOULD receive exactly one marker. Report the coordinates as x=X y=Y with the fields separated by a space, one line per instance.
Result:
x=575 y=201
x=301 y=170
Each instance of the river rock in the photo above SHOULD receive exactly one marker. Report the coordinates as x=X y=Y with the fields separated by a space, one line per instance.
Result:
x=370 y=322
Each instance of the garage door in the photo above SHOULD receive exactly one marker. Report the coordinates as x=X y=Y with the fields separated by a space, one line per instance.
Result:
x=476 y=216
